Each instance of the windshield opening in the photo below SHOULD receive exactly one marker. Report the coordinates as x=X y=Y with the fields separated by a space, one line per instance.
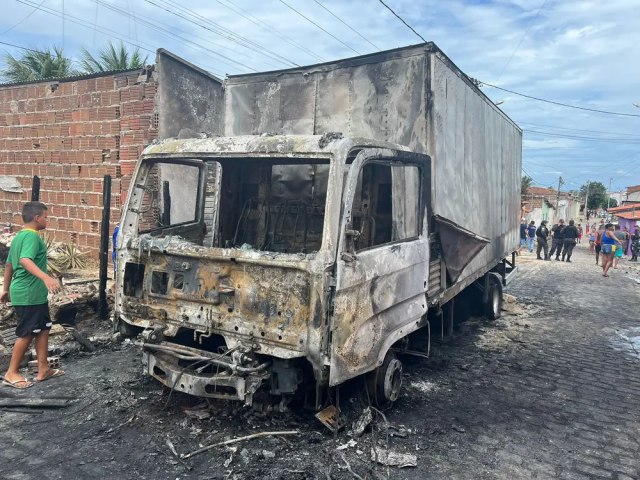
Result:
x=275 y=205
x=170 y=198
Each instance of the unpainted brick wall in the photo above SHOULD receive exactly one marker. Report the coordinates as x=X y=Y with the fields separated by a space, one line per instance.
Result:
x=71 y=134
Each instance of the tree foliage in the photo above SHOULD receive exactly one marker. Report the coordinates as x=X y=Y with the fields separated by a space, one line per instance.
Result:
x=598 y=197
x=111 y=57
x=36 y=65
x=525 y=183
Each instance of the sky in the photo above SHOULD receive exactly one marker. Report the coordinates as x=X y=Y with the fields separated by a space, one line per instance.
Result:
x=584 y=53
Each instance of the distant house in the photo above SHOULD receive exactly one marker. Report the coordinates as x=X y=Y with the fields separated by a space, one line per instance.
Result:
x=539 y=204
x=627 y=216
x=633 y=194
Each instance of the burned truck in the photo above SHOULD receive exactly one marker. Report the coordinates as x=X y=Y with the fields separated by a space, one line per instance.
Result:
x=342 y=209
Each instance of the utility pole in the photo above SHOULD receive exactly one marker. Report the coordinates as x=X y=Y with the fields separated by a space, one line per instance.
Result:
x=609 y=195
x=560 y=183
x=586 y=202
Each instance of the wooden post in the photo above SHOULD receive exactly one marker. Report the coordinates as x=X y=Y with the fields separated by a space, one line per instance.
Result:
x=35 y=189
x=104 y=246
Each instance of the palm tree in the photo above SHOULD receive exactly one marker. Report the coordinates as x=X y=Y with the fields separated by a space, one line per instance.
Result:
x=111 y=58
x=36 y=65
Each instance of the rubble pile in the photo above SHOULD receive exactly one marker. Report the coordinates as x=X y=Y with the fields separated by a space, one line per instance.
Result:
x=5 y=244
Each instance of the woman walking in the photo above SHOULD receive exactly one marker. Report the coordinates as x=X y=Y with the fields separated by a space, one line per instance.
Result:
x=609 y=242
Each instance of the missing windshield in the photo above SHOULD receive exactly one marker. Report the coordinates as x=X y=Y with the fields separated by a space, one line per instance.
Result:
x=273 y=205
x=169 y=197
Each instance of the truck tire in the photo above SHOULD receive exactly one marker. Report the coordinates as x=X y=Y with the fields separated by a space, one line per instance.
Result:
x=493 y=305
x=385 y=382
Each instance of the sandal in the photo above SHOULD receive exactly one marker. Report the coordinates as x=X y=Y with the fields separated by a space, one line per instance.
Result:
x=26 y=384
x=56 y=372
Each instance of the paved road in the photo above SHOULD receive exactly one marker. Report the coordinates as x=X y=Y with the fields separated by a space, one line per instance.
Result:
x=553 y=392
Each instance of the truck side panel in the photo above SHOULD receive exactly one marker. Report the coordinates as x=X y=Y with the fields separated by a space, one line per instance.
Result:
x=476 y=157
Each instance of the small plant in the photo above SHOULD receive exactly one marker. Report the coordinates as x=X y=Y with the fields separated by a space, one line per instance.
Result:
x=62 y=257
x=71 y=257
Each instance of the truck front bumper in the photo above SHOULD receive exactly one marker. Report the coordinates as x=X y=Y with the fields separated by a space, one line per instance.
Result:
x=166 y=368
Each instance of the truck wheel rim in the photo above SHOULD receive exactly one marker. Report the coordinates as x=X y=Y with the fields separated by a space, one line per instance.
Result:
x=495 y=303
x=393 y=380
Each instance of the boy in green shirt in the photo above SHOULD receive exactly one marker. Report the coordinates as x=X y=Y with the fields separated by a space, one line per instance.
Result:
x=26 y=285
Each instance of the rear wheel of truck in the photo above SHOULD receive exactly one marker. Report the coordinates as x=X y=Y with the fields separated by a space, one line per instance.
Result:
x=493 y=304
x=385 y=381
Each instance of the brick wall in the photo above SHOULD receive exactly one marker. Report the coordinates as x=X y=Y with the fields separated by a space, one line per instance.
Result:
x=72 y=133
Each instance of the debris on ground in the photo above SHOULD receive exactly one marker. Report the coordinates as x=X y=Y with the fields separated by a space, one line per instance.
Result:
x=331 y=418
x=393 y=459
x=359 y=426
x=240 y=439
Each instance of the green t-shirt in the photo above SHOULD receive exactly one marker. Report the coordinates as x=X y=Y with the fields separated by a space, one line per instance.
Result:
x=25 y=288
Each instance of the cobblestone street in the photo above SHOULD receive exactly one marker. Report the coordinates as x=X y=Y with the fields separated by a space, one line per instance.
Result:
x=553 y=394
x=551 y=390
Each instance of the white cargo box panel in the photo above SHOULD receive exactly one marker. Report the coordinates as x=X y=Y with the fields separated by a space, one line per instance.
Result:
x=413 y=96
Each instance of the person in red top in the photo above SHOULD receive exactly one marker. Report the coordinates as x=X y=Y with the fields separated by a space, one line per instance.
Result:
x=598 y=242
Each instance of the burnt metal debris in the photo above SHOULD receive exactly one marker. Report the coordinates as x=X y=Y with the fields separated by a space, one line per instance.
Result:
x=261 y=267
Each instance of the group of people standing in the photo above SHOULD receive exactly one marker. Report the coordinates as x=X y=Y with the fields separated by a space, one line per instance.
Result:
x=563 y=239
x=608 y=241
x=624 y=241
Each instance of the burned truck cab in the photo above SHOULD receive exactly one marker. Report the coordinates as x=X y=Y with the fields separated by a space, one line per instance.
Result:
x=256 y=265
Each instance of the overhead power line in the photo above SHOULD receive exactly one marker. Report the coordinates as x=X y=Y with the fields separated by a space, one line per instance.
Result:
x=599 y=132
x=324 y=30
x=20 y=47
x=348 y=26
x=402 y=20
x=586 y=138
x=24 y=19
x=170 y=31
x=531 y=177
x=83 y=23
x=217 y=29
x=480 y=83
x=268 y=28
x=523 y=37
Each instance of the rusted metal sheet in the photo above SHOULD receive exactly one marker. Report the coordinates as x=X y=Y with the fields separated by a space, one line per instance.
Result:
x=459 y=246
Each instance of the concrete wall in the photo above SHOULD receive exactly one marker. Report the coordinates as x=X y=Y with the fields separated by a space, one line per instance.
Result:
x=71 y=133
x=633 y=197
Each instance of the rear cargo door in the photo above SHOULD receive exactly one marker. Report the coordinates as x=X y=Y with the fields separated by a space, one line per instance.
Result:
x=382 y=267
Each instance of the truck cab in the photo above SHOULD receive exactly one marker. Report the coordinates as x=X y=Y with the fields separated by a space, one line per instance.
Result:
x=251 y=264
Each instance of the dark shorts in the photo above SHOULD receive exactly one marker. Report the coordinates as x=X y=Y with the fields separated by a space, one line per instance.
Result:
x=32 y=319
x=598 y=248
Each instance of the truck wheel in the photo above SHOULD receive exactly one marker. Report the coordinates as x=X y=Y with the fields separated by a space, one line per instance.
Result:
x=493 y=305
x=385 y=381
